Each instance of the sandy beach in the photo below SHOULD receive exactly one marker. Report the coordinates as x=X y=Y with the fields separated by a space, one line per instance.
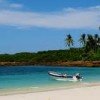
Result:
x=84 y=93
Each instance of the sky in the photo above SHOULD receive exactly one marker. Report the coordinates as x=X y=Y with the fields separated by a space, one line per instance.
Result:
x=38 y=25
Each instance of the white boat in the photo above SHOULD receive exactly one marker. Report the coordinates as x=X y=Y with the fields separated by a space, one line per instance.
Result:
x=55 y=74
x=60 y=75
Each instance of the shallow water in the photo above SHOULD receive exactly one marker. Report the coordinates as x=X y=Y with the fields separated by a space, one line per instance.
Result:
x=22 y=79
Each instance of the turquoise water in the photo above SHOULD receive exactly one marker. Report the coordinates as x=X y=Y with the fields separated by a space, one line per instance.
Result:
x=36 y=78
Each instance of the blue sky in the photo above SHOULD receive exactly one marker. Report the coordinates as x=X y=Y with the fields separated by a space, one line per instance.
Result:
x=35 y=25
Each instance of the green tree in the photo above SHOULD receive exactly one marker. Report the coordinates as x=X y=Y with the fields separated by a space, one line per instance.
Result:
x=90 y=43
x=69 y=40
x=98 y=42
x=83 y=39
x=96 y=38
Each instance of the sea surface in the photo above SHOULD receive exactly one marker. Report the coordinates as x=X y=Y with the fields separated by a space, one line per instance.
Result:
x=23 y=79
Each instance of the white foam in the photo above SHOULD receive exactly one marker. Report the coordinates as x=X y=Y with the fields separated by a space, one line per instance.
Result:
x=59 y=79
x=35 y=87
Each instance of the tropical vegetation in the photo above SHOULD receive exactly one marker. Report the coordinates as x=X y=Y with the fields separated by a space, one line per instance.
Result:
x=89 y=51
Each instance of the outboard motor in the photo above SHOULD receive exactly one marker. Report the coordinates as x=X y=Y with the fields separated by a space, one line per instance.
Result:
x=78 y=76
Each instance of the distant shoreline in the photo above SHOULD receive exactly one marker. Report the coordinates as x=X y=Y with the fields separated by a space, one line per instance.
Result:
x=67 y=64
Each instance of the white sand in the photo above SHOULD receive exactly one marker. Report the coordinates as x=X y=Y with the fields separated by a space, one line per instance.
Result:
x=85 y=93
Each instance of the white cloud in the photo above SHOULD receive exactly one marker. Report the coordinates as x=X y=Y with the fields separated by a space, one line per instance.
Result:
x=95 y=8
x=14 y=5
x=68 y=18
x=6 y=4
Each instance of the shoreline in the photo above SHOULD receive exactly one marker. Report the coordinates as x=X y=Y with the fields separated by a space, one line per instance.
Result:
x=59 y=63
x=30 y=90
x=88 y=93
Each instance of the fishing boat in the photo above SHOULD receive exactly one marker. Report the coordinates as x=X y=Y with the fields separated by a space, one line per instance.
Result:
x=65 y=76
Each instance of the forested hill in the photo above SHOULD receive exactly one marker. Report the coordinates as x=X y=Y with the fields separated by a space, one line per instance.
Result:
x=48 y=57
x=88 y=54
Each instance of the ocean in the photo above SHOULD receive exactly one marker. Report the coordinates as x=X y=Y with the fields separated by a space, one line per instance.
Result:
x=23 y=79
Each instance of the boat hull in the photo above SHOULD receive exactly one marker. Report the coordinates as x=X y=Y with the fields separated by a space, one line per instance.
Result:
x=54 y=74
x=64 y=76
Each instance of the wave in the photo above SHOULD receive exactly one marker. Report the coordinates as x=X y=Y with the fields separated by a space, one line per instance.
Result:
x=72 y=80
x=34 y=87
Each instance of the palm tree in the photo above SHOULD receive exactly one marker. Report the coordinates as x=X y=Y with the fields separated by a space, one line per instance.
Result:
x=96 y=38
x=69 y=40
x=90 y=43
x=98 y=42
x=83 y=39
